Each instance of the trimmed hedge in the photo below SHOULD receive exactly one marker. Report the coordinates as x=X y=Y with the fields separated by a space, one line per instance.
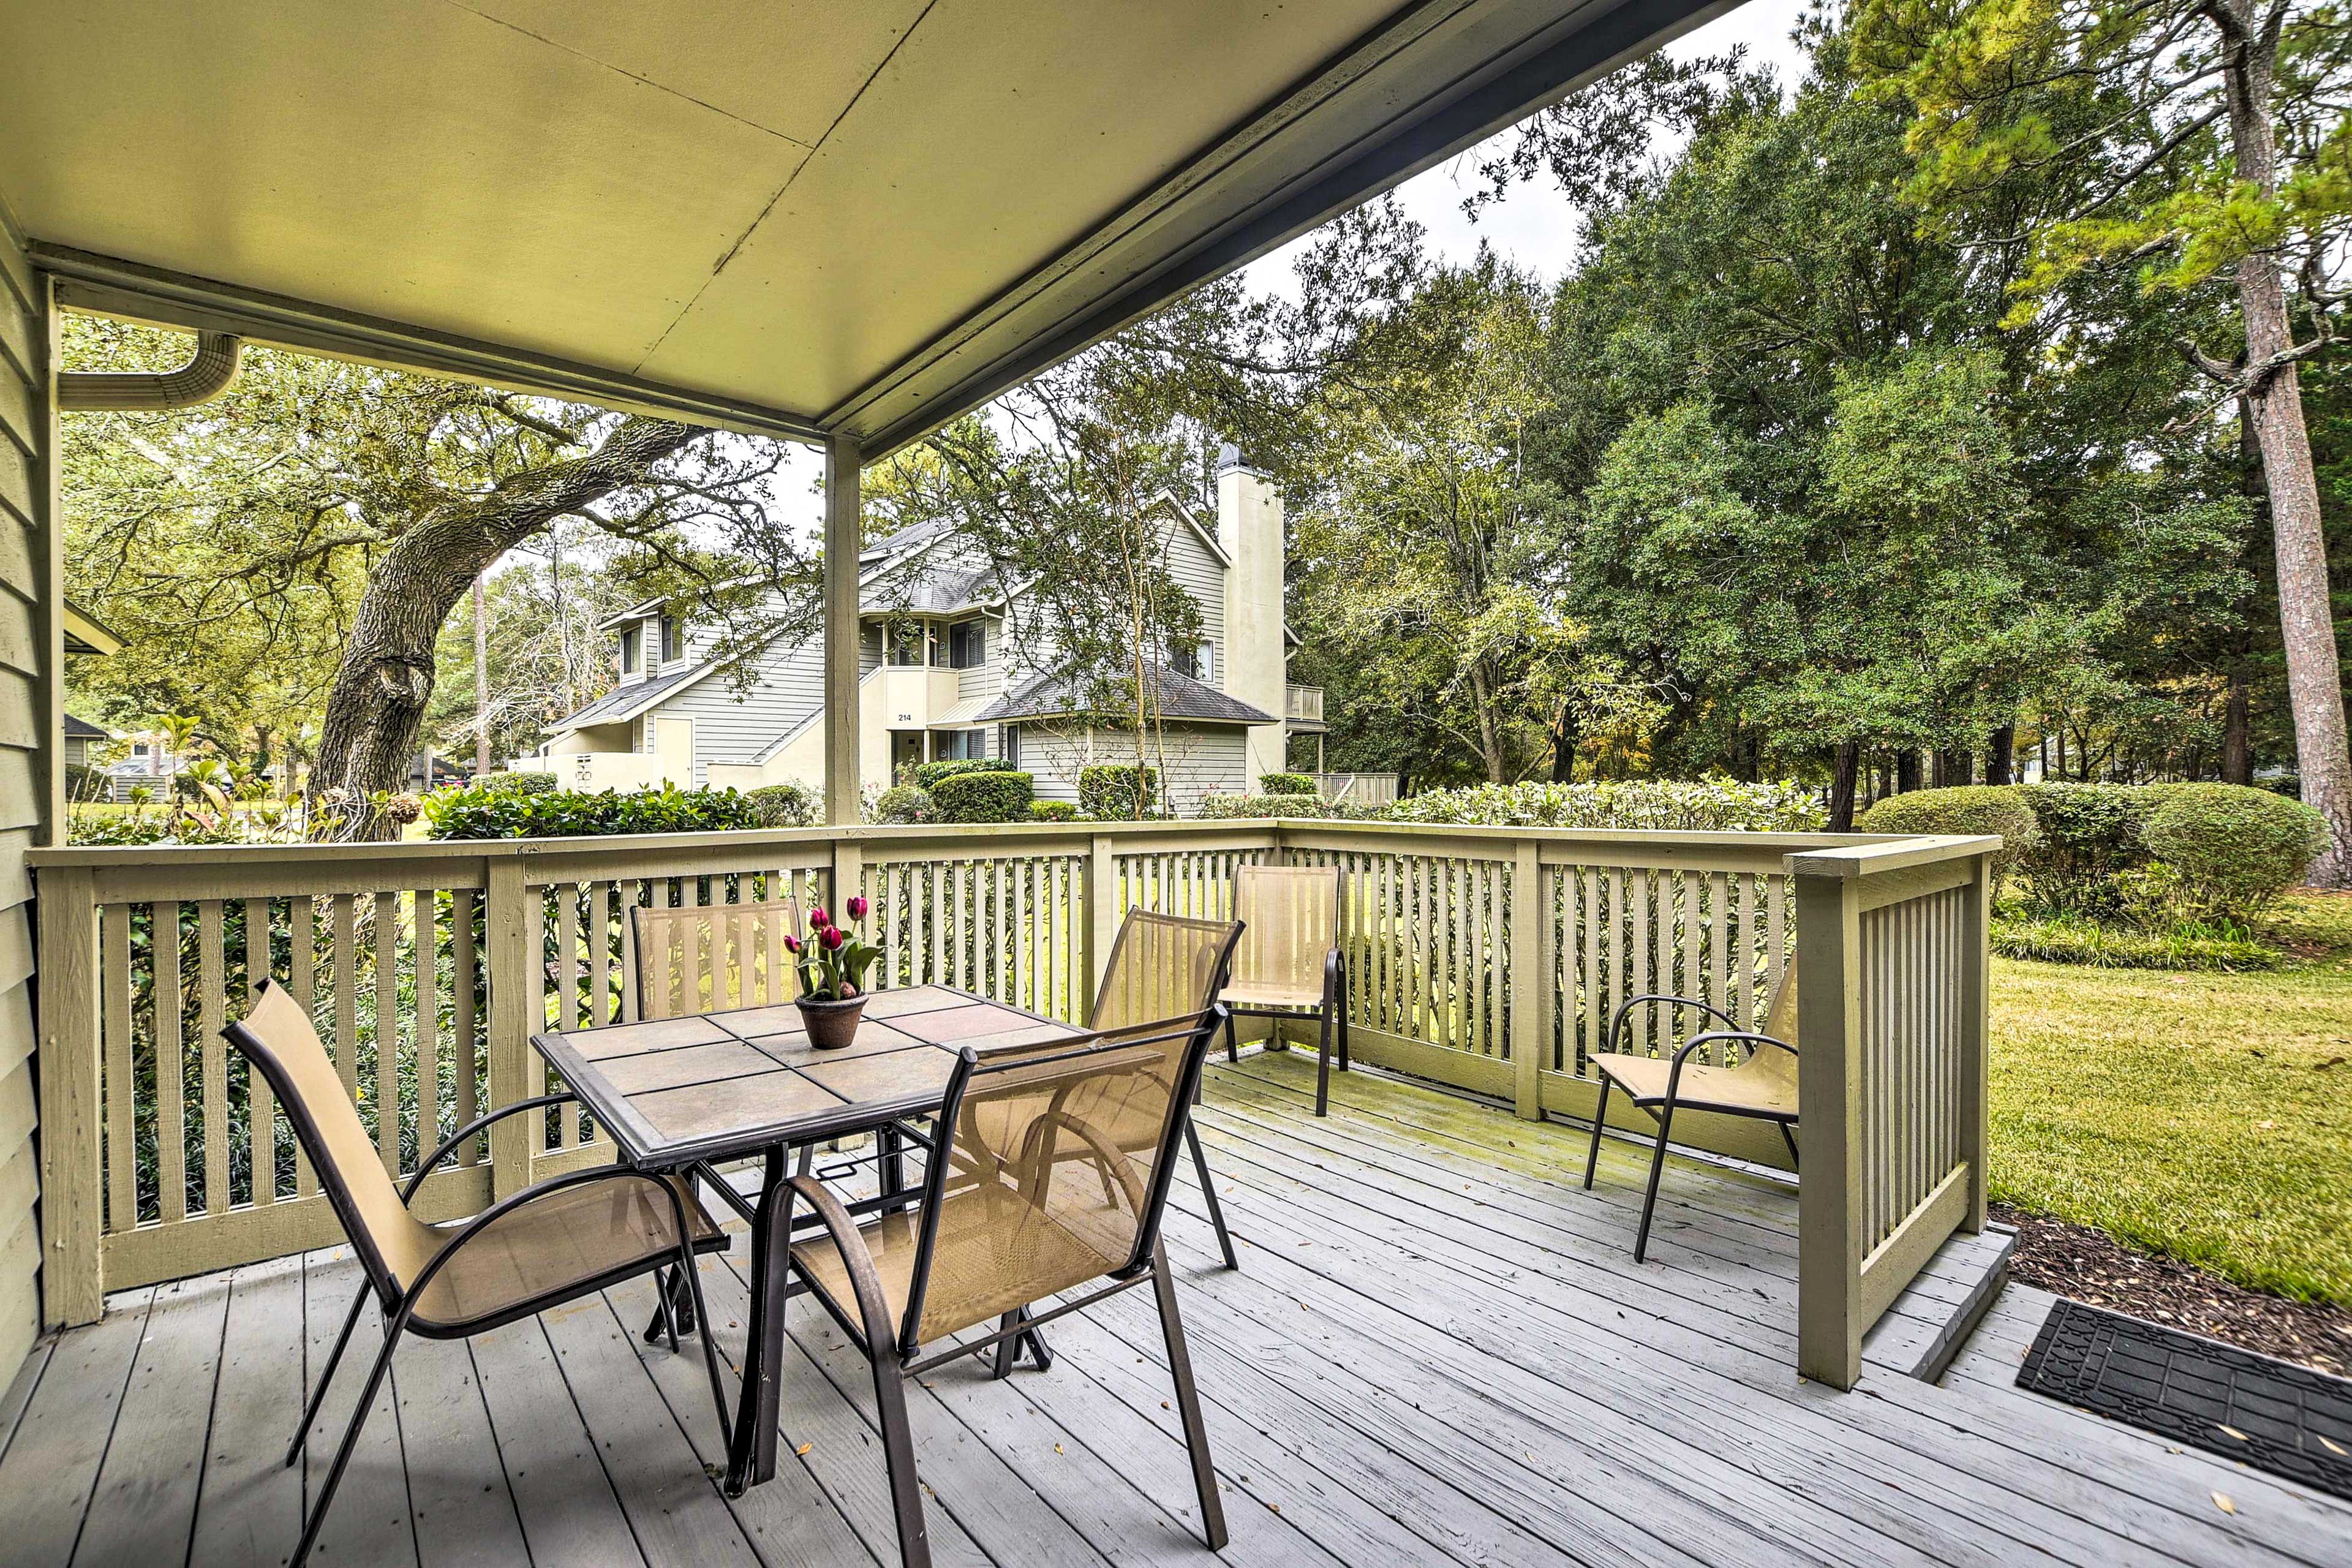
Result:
x=901 y=805
x=984 y=797
x=2090 y=837
x=1053 y=811
x=521 y=783
x=1963 y=809
x=502 y=813
x=2234 y=850
x=1280 y=804
x=927 y=776
x=1717 y=804
x=1119 y=792
x=784 y=805
x=1286 y=784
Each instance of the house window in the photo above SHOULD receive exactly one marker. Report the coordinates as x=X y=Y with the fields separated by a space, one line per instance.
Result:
x=964 y=744
x=1195 y=660
x=632 y=638
x=673 y=639
x=967 y=644
x=907 y=646
x=1008 y=744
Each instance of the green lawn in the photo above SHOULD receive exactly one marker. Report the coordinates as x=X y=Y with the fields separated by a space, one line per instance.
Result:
x=2206 y=1116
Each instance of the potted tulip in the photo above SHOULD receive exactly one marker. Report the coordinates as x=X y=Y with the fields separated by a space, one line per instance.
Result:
x=833 y=964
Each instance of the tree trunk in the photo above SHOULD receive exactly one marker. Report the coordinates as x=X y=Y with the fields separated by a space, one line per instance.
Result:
x=1563 y=745
x=1490 y=735
x=1999 y=768
x=385 y=676
x=2306 y=621
x=1906 y=771
x=2238 y=730
x=1841 y=783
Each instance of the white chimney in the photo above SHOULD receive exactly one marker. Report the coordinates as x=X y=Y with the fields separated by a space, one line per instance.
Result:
x=1249 y=529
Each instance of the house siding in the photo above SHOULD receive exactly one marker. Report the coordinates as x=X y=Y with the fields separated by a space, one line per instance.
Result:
x=1195 y=569
x=28 y=718
x=729 y=727
x=1200 y=761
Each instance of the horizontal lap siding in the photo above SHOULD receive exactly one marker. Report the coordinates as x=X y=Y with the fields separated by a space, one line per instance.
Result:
x=1201 y=573
x=1199 y=760
x=24 y=553
x=790 y=687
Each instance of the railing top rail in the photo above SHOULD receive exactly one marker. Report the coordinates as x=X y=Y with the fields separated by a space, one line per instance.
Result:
x=1821 y=853
x=1890 y=855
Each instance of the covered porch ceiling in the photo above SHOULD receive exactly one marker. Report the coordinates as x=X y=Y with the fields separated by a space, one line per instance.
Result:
x=790 y=216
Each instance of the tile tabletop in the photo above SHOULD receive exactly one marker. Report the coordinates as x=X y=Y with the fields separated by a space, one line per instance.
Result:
x=721 y=1084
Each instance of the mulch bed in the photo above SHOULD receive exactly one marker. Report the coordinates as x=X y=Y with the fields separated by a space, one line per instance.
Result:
x=2092 y=1266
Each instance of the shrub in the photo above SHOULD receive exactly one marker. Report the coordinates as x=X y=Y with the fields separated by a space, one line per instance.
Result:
x=1967 y=809
x=1280 y=804
x=85 y=783
x=478 y=811
x=901 y=805
x=1717 y=804
x=1286 y=784
x=1119 y=792
x=927 y=776
x=1053 y=811
x=521 y=784
x=2090 y=837
x=2078 y=939
x=2234 y=850
x=984 y=797
x=783 y=805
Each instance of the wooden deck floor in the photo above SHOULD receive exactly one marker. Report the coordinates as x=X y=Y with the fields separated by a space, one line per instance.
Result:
x=1438 y=1351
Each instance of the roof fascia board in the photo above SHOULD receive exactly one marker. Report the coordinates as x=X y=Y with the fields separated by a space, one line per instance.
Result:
x=105 y=286
x=1184 y=515
x=1572 y=54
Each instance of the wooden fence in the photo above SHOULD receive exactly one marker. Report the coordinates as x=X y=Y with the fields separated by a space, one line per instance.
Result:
x=1491 y=960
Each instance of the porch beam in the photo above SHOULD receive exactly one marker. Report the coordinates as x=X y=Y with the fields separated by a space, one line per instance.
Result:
x=842 y=544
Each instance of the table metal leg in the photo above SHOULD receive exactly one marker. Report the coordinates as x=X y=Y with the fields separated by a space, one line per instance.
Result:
x=751 y=1458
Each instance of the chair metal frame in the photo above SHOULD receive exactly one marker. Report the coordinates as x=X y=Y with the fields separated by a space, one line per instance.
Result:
x=892 y=1347
x=398 y=1306
x=1332 y=1013
x=1661 y=1110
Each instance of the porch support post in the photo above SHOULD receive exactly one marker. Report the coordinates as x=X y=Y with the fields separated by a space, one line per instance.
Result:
x=842 y=545
x=1973 y=1112
x=73 y=1288
x=1830 y=1322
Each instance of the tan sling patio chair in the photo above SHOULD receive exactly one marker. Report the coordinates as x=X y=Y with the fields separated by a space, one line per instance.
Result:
x=1063 y=1194
x=1763 y=1086
x=709 y=958
x=1162 y=966
x=566 y=1237
x=1288 y=964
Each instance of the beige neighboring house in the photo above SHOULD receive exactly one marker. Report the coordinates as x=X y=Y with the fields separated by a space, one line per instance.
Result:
x=956 y=661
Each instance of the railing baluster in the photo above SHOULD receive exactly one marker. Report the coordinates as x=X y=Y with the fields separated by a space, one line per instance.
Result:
x=171 y=1090
x=210 y=980
x=117 y=1090
x=301 y=979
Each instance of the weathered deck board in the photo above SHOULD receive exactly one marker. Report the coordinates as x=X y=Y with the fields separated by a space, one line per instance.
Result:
x=1439 y=1351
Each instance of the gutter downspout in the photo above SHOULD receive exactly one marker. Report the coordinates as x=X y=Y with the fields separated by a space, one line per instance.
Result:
x=202 y=379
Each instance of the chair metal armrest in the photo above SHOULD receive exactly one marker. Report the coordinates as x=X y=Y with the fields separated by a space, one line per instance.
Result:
x=505 y=1206
x=1617 y=1021
x=1749 y=1036
x=865 y=1279
x=424 y=1167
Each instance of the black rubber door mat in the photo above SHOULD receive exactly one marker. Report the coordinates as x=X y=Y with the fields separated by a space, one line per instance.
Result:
x=2273 y=1415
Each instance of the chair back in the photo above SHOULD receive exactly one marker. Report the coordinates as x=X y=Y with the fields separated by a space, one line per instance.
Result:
x=1290 y=923
x=709 y=958
x=1162 y=966
x=1764 y=1062
x=277 y=1039
x=1070 y=1180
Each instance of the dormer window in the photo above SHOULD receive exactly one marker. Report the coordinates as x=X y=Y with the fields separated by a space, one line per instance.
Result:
x=632 y=648
x=673 y=639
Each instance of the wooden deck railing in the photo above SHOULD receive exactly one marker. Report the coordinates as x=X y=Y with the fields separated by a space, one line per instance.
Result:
x=1488 y=959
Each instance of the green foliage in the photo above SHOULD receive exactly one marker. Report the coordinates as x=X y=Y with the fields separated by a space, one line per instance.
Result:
x=482 y=813
x=2076 y=938
x=520 y=783
x=1273 y=804
x=1286 y=784
x=1053 y=811
x=903 y=804
x=784 y=805
x=927 y=776
x=1119 y=792
x=1970 y=809
x=1709 y=806
x=2233 y=851
x=85 y=783
x=991 y=796
x=2090 y=837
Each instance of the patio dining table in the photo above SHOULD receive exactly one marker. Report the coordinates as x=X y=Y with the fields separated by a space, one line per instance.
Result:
x=683 y=1095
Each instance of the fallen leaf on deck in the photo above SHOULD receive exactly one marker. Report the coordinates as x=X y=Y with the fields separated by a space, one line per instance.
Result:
x=801 y=1452
x=2222 y=1500
x=2233 y=1432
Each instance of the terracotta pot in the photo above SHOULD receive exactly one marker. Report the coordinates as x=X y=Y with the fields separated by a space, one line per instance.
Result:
x=830 y=1025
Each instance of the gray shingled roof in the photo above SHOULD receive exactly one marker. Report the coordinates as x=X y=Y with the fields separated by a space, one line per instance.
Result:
x=628 y=701
x=1177 y=697
x=83 y=730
